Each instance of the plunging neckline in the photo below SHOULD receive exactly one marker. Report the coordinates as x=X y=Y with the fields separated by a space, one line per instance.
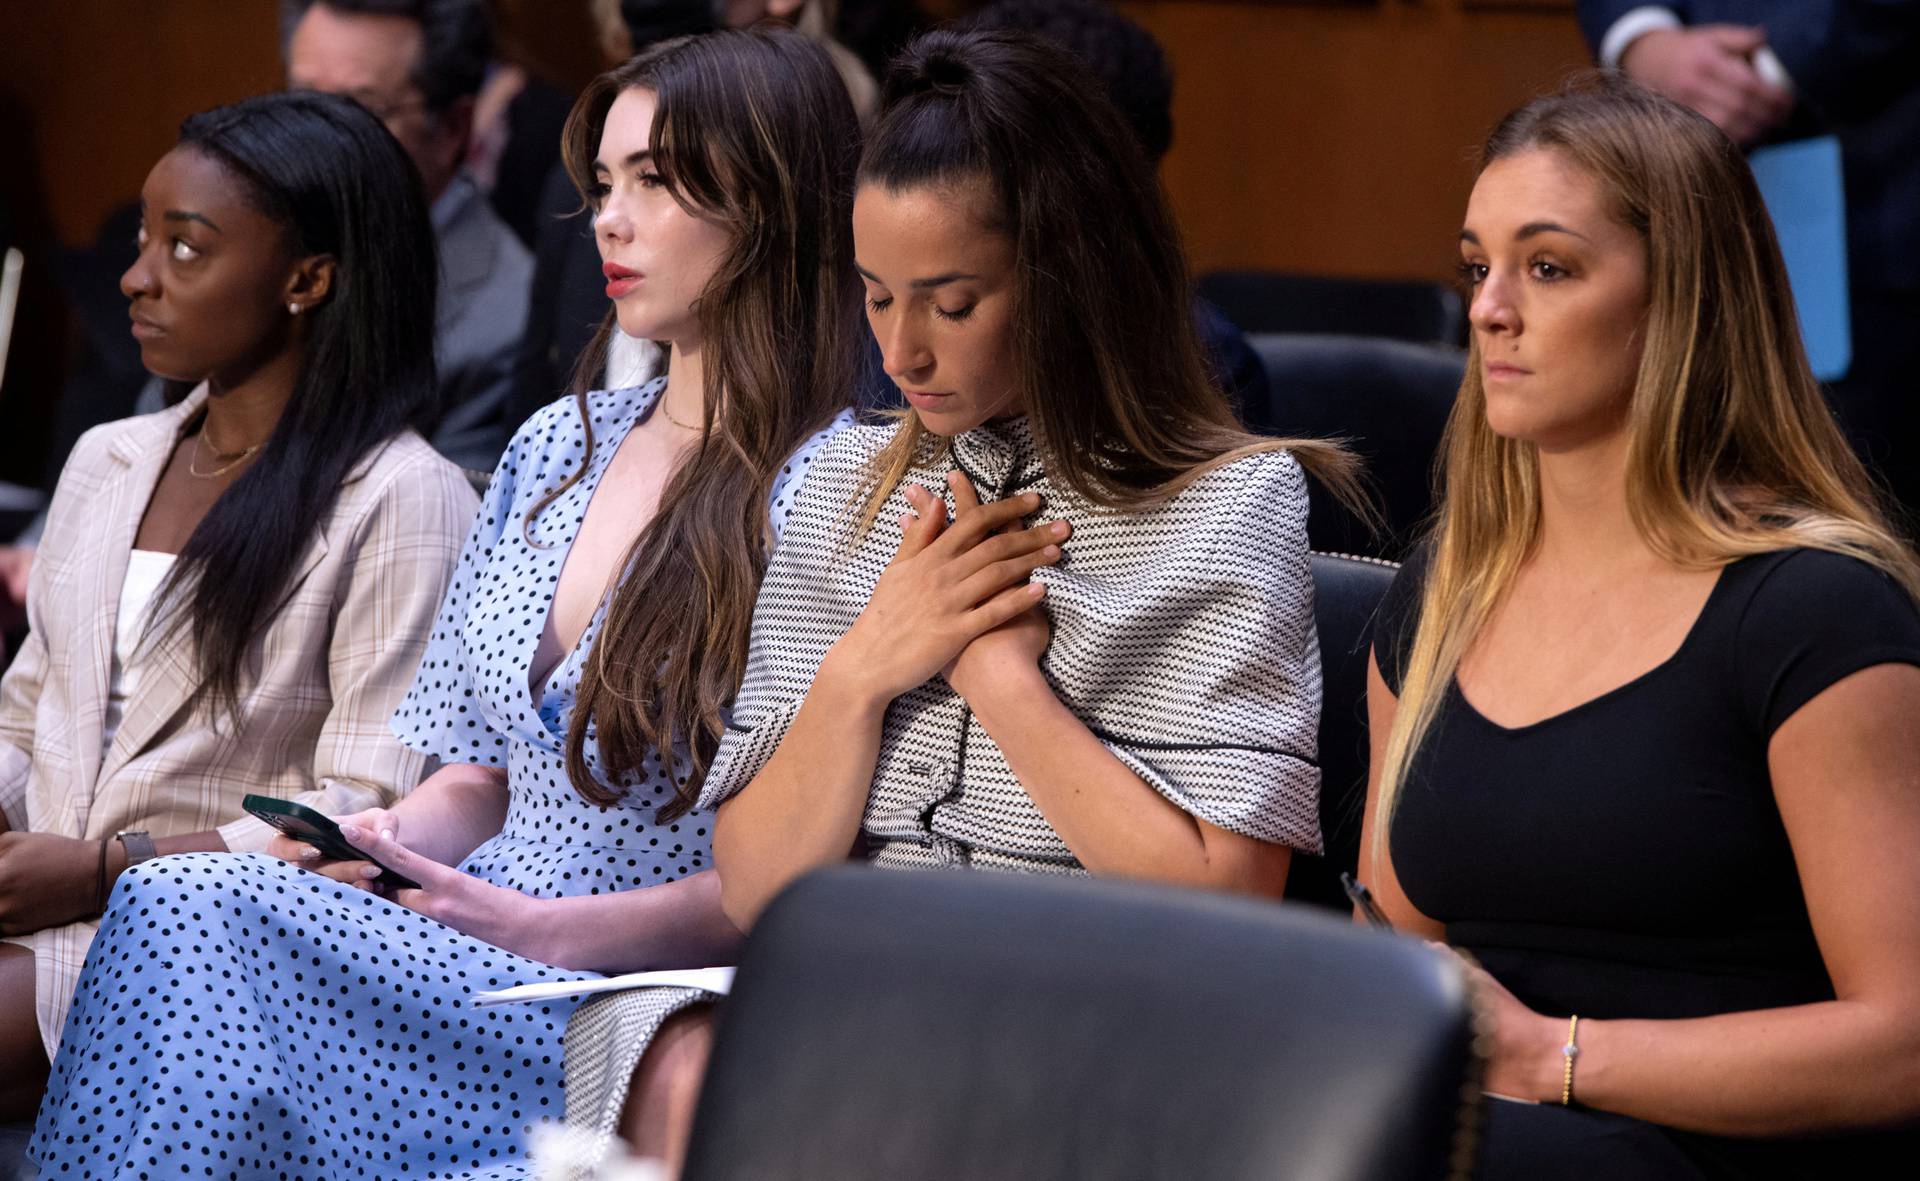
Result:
x=540 y=690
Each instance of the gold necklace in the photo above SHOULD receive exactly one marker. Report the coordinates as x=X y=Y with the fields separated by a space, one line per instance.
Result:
x=670 y=418
x=234 y=460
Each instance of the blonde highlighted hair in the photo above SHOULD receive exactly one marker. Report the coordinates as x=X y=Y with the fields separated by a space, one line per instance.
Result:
x=1732 y=450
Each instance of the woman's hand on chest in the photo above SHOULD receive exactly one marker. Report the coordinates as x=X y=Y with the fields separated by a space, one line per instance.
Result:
x=957 y=598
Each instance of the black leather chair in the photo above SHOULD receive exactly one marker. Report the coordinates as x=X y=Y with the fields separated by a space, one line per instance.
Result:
x=1346 y=595
x=948 y=1026
x=1388 y=399
x=1398 y=309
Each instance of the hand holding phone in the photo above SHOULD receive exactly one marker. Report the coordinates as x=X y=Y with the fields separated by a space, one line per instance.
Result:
x=301 y=823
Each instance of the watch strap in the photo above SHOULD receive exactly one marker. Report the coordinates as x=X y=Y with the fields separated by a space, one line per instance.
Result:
x=139 y=846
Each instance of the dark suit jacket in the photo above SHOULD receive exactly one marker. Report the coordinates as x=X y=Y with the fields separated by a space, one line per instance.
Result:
x=1856 y=66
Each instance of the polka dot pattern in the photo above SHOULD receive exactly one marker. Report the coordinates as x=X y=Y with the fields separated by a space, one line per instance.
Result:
x=241 y=1018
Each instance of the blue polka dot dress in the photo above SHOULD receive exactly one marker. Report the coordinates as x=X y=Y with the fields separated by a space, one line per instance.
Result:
x=239 y=1017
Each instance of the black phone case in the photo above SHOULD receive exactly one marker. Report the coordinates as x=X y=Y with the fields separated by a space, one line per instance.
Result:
x=332 y=845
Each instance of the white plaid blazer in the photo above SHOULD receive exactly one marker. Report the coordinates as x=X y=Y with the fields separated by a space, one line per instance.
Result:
x=323 y=679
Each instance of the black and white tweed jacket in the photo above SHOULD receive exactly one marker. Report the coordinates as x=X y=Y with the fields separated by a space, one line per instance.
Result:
x=1183 y=637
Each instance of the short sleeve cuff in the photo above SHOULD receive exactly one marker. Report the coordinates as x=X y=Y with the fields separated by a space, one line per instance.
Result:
x=1634 y=24
x=743 y=753
x=1267 y=795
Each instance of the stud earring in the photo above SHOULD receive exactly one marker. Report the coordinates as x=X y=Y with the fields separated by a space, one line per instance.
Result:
x=294 y=308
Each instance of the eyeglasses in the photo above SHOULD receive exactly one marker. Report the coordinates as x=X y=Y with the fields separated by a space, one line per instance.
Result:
x=380 y=108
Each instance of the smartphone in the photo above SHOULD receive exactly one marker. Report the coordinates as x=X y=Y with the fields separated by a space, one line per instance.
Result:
x=318 y=829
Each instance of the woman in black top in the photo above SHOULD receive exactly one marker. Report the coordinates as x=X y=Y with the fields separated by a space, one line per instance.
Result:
x=1646 y=709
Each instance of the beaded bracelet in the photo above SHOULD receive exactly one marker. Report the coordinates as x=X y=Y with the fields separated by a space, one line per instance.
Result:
x=1571 y=1050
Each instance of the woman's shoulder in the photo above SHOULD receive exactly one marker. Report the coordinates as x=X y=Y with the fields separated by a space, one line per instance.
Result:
x=1807 y=588
x=854 y=442
x=404 y=485
x=1273 y=472
x=1801 y=619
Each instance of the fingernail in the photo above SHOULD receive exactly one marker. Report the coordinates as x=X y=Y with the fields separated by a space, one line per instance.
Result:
x=1030 y=498
x=1035 y=590
x=1059 y=529
x=369 y=872
x=308 y=853
x=1052 y=551
x=351 y=832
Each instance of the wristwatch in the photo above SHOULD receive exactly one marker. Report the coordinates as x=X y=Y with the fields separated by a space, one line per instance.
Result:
x=139 y=847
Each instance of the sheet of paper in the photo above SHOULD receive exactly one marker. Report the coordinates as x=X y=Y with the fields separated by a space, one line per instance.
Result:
x=718 y=980
x=1808 y=202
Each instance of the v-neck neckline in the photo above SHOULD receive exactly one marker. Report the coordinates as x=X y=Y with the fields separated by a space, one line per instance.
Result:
x=540 y=691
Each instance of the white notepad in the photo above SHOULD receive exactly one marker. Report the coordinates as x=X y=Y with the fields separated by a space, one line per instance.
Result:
x=718 y=980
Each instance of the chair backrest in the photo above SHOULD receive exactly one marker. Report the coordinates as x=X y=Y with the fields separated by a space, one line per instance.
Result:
x=1388 y=399
x=1278 y=301
x=1346 y=594
x=976 y=1025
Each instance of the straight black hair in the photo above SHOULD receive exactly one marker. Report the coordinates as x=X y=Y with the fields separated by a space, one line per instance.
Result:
x=330 y=174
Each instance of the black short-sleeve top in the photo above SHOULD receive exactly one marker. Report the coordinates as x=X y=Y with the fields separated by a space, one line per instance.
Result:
x=1626 y=858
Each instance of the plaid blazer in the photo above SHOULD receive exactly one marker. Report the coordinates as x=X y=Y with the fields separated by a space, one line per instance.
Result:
x=322 y=681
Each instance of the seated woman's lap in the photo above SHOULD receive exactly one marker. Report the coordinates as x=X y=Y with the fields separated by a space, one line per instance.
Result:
x=327 y=1017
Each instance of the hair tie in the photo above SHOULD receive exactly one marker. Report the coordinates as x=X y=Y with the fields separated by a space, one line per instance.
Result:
x=945 y=75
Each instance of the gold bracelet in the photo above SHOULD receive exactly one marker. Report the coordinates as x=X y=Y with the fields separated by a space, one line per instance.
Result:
x=1571 y=1050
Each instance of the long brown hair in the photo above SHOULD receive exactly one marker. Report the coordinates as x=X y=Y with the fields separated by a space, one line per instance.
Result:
x=752 y=130
x=1110 y=369
x=1731 y=448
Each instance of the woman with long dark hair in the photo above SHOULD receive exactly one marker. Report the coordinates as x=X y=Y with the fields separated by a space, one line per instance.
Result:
x=1645 y=702
x=1059 y=617
x=575 y=689
x=232 y=594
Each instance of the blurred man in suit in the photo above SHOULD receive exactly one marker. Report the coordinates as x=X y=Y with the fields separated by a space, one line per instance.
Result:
x=418 y=64
x=1768 y=70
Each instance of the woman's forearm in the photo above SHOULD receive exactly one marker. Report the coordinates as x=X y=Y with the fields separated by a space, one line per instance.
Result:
x=803 y=809
x=672 y=925
x=1113 y=821
x=1819 y=1068
x=453 y=811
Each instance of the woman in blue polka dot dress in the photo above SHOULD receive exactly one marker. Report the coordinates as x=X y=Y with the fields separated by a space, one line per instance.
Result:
x=244 y=1017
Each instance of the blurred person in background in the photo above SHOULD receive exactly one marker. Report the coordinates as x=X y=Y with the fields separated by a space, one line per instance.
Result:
x=232 y=593
x=418 y=65
x=1767 y=71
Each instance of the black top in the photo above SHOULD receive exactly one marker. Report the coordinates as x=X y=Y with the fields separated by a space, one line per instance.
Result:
x=1626 y=858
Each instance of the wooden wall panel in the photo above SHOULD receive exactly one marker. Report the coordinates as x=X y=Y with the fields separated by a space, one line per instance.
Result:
x=103 y=85
x=1339 y=139
x=1331 y=138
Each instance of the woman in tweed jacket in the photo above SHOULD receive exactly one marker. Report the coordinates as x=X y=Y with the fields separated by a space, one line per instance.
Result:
x=1059 y=618
x=232 y=594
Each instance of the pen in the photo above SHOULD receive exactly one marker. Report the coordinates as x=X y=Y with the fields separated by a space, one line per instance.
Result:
x=1363 y=898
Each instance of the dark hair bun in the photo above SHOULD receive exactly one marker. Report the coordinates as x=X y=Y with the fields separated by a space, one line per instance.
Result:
x=939 y=63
